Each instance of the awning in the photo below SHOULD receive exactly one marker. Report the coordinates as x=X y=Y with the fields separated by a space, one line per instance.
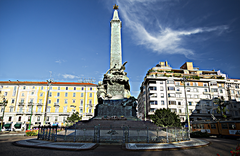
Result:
x=18 y=125
x=7 y=125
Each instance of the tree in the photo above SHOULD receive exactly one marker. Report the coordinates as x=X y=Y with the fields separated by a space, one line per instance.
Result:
x=74 y=117
x=222 y=106
x=164 y=117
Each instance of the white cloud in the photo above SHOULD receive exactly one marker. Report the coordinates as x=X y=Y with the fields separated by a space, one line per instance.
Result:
x=69 y=76
x=60 y=61
x=163 y=39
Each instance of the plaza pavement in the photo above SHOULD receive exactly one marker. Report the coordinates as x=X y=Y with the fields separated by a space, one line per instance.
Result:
x=193 y=143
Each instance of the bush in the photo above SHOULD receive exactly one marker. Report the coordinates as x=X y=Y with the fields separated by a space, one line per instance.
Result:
x=199 y=134
x=31 y=132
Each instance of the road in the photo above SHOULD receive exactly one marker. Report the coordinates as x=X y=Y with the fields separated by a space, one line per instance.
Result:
x=219 y=146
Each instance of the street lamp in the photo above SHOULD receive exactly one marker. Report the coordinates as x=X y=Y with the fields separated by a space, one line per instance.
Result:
x=30 y=122
x=184 y=81
x=45 y=115
x=4 y=104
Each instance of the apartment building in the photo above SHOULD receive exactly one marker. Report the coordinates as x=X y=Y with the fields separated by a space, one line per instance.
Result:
x=163 y=87
x=57 y=99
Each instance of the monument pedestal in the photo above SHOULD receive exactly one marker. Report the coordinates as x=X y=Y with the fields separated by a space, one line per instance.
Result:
x=115 y=108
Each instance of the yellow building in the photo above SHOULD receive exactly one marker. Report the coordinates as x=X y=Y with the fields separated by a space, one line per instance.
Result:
x=56 y=101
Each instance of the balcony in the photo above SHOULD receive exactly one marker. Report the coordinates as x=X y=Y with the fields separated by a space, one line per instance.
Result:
x=56 y=104
x=30 y=103
x=19 y=113
x=39 y=104
x=89 y=114
x=21 y=103
x=178 y=92
x=207 y=93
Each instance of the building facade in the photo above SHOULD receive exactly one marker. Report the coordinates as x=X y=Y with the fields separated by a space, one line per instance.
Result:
x=163 y=87
x=49 y=101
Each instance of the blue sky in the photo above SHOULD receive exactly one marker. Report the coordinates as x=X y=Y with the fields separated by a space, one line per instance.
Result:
x=71 y=38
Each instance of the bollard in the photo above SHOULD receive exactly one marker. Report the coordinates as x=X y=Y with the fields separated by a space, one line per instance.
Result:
x=167 y=135
x=147 y=136
x=75 y=133
x=65 y=137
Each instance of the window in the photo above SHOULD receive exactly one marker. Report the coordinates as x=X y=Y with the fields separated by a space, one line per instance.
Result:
x=58 y=94
x=41 y=94
x=224 y=125
x=153 y=102
x=42 y=88
x=66 y=88
x=48 y=108
x=177 y=83
x=74 y=100
x=64 y=118
x=56 y=109
x=21 y=109
x=22 y=94
x=50 y=88
x=196 y=96
x=178 y=95
x=213 y=126
x=90 y=95
x=214 y=90
x=162 y=102
x=195 y=89
x=58 y=88
x=171 y=88
x=162 y=95
x=152 y=109
x=24 y=87
x=56 y=118
x=188 y=90
x=47 y=118
x=9 y=118
x=82 y=88
x=50 y=94
x=49 y=101
x=188 y=96
x=170 y=82
x=232 y=91
x=161 y=88
x=32 y=93
x=5 y=94
x=152 y=88
x=65 y=109
x=57 y=101
x=161 y=82
x=38 y=118
x=33 y=87
x=81 y=94
x=205 y=90
x=90 y=110
x=179 y=102
x=171 y=95
x=179 y=110
x=187 y=84
x=19 y=118
x=90 y=88
x=207 y=103
x=174 y=110
x=66 y=94
x=74 y=94
x=40 y=100
x=81 y=110
x=190 y=103
x=195 y=84
x=90 y=101
x=172 y=102
x=13 y=100
x=11 y=109
x=205 y=84
x=39 y=109
x=65 y=101
x=177 y=89
x=74 y=88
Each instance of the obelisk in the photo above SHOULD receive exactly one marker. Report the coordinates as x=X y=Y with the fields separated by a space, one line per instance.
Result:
x=116 y=49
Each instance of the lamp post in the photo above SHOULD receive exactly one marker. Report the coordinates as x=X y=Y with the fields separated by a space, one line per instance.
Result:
x=184 y=81
x=30 y=122
x=4 y=102
x=45 y=115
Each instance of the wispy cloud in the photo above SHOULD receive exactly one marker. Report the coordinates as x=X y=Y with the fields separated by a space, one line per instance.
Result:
x=162 y=39
x=69 y=76
x=60 y=61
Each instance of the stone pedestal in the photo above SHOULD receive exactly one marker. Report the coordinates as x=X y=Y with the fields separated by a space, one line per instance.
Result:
x=114 y=108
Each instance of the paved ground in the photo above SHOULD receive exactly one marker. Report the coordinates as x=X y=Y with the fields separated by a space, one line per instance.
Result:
x=220 y=146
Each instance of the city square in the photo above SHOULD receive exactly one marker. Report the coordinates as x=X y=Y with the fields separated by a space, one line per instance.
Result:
x=93 y=108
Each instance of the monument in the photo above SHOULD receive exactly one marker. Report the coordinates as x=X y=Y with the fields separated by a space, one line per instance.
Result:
x=114 y=98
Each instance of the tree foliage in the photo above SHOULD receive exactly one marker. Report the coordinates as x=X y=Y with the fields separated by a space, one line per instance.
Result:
x=222 y=106
x=164 y=117
x=74 y=117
